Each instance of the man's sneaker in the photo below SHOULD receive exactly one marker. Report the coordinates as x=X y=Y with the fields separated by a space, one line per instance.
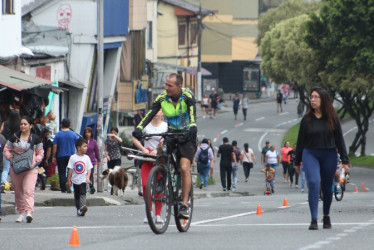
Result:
x=159 y=220
x=83 y=210
x=145 y=220
x=20 y=218
x=183 y=212
x=201 y=185
x=68 y=188
x=296 y=186
x=79 y=212
x=302 y=190
x=92 y=191
x=246 y=180
x=28 y=218
x=326 y=222
x=224 y=189
x=313 y=225
x=140 y=193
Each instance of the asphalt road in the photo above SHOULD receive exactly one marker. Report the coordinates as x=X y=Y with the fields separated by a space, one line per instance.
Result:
x=218 y=223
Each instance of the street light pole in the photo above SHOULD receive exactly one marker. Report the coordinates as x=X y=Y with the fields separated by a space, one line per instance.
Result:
x=100 y=88
x=199 y=80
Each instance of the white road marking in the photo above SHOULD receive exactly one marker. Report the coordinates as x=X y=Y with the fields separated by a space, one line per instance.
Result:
x=224 y=132
x=259 y=119
x=222 y=218
x=285 y=113
x=215 y=139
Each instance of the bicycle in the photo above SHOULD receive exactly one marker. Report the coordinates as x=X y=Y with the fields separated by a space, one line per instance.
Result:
x=338 y=188
x=164 y=184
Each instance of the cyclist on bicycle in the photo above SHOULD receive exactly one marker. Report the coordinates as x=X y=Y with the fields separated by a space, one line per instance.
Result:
x=179 y=108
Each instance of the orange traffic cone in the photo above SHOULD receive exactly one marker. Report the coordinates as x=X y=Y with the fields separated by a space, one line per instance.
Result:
x=217 y=136
x=237 y=123
x=365 y=190
x=74 y=239
x=285 y=203
x=259 y=212
x=363 y=185
x=356 y=189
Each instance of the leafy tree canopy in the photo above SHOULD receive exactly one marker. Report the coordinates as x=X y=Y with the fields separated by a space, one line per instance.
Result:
x=288 y=9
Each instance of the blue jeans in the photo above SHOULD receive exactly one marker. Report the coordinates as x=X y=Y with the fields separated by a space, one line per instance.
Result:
x=203 y=170
x=4 y=175
x=302 y=178
x=234 y=175
x=320 y=168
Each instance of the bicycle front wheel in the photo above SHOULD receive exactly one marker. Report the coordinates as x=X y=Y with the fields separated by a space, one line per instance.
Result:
x=158 y=199
x=183 y=224
x=339 y=191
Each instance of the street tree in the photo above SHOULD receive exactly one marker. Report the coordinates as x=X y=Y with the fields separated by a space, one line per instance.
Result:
x=286 y=56
x=287 y=10
x=341 y=38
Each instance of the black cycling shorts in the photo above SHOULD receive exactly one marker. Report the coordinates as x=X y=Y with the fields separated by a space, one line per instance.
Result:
x=187 y=150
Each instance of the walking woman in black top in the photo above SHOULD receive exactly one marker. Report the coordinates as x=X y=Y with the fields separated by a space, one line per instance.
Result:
x=320 y=134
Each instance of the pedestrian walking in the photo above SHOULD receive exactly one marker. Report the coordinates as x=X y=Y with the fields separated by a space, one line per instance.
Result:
x=235 y=165
x=279 y=101
x=156 y=126
x=291 y=167
x=272 y=158
x=226 y=152
x=213 y=103
x=235 y=105
x=25 y=152
x=286 y=92
x=285 y=159
x=245 y=104
x=93 y=153
x=80 y=167
x=2 y=144
x=63 y=148
x=264 y=151
x=205 y=159
x=248 y=158
x=113 y=148
x=320 y=134
x=214 y=160
x=205 y=105
x=9 y=127
x=300 y=108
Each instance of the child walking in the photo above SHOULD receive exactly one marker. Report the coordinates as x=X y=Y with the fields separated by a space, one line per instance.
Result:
x=79 y=174
x=269 y=176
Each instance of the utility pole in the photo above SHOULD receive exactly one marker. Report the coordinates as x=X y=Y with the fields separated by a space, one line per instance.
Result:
x=199 y=80
x=100 y=88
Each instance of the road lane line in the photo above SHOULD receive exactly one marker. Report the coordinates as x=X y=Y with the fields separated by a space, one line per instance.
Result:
x=259 y=119
x=222 y=218
x=224 y=132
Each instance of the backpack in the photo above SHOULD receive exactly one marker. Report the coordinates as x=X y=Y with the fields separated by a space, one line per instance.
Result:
x=203 y=156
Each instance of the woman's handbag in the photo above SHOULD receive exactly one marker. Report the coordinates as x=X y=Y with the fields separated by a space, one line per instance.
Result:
x=22 y=162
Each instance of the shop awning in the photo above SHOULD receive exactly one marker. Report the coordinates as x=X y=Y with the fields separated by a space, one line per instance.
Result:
x=20 y=81
x=72 y=84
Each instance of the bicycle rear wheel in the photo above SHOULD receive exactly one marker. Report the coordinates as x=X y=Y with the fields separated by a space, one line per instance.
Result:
x=158 y=199
x=339 y=192
x=183 y=224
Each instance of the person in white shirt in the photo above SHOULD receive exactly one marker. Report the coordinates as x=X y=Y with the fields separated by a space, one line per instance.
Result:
x=80 y=167
x=247 y=158
x=272 y=158
x=156 y=126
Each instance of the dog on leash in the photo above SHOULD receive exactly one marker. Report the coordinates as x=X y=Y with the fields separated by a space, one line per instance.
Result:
x=117 y=177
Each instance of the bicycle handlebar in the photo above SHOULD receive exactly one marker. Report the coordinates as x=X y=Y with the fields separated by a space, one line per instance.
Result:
x=167 y=134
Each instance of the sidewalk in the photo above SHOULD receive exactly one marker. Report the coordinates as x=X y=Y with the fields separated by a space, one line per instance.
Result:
x=48 y=198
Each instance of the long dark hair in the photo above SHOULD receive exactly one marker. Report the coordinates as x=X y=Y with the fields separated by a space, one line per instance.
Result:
x=327 y=110
x=13 y=121
x=246 y=146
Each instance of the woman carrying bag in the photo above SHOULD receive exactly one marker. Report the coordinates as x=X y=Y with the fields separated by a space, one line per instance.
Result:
x=247 y=158
x=25 y=152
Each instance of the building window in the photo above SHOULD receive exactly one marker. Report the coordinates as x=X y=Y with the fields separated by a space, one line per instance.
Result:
x=193 y=34
x=149 y=35
x=8 y=7
x=182 y=34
